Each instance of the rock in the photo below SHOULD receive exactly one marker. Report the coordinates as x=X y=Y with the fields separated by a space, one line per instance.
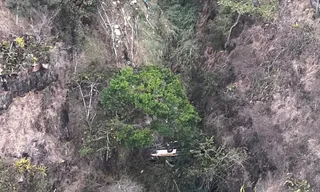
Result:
x=133 y=2
x=36 y=67
x=20 y=179
x=5 y=100
x=117 y=32
x=25 y=82
x=45 y=66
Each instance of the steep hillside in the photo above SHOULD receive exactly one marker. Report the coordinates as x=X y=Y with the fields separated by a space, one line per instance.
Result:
x=45 y=109
x=268 y=101
x=252 y=75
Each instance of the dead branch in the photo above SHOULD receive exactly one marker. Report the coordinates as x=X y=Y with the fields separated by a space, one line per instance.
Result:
x=278 y=55
x=149 y=21
x=136 y=31
x=89 y=117
x=132 y=40
x=81 y=93
x=126 y=22
x=132 y=34
x=176 y=186
x=230 y=30
x=90 y=101
x=109 y=24
x=17 y=16
x=76 y=58
x=317 y=8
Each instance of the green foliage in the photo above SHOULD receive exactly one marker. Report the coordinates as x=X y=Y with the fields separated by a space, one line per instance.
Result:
x=206 y=168
x=22 y=52
x=181 y=47
x=24 y=166
x=27 y=8
x=217 y=29
x=68 y=23
x=131 y=137
x=162 y=128
x=150 y=91
x=212 y=163
x=86 y=150
x=241 y=7
x=266 y=9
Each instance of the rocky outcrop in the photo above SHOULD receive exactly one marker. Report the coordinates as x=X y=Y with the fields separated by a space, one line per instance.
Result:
x=18 y=86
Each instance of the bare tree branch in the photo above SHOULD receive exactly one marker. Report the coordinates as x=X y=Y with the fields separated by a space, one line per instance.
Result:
x=230 y=30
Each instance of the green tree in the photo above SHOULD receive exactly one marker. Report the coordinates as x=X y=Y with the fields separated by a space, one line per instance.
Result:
x=154 y=92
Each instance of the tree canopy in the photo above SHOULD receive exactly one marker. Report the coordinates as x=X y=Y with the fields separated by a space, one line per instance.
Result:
x=154 y=92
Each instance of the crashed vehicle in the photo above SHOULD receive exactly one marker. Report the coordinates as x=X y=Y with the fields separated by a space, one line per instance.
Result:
x=169 y=149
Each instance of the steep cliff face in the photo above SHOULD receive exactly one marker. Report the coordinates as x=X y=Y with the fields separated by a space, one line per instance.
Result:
x=43 y=113
x=22 y=84
x=269 y=104
x=32 y=104
x=260 y=94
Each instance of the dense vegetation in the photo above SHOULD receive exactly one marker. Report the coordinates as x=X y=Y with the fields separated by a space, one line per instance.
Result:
x=148 y=101
x=154 y=92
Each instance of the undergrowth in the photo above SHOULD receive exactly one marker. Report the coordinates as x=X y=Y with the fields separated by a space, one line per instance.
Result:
x=181 y=47
x=23 y=176
x=22 y=53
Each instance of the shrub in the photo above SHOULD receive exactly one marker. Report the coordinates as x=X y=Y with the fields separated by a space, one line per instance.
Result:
x=265 y=9
x=23 y=52
x=150 y=91
x=211 y=165
x=33 y=177
x=24 y=166
x=181 y=47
